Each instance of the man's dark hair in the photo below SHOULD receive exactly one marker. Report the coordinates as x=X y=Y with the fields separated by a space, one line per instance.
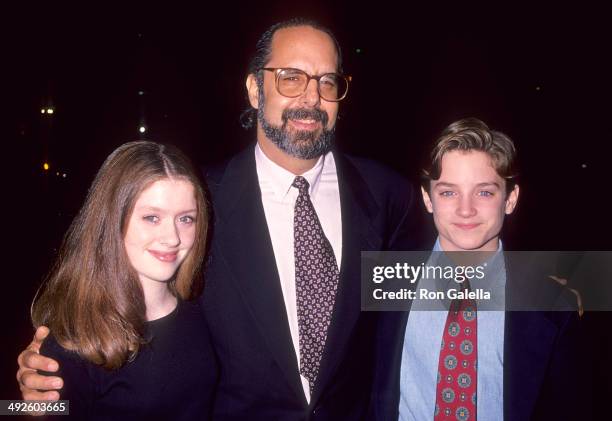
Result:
x=263 y=49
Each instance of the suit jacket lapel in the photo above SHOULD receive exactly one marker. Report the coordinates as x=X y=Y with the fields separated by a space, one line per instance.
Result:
x=358 y=209
x=243 y=241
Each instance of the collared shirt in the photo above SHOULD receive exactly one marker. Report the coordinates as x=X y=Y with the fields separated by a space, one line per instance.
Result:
x=421 y=353
x=278 y=198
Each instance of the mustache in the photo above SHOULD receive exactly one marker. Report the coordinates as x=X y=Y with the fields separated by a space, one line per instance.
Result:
x=315 y=114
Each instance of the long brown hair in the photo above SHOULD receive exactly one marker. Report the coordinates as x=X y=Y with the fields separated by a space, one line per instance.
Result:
x=92 y=299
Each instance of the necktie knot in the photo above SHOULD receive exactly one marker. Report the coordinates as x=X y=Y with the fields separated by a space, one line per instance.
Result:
x=301 y=184
x=465 y=286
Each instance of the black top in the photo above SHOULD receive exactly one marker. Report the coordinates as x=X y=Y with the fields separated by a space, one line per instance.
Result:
x=173 y=377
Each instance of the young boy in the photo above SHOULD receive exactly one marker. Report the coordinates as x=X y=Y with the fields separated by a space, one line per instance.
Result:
x=466 y=364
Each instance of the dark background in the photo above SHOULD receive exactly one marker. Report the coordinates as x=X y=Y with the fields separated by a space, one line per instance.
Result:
x=538 y=73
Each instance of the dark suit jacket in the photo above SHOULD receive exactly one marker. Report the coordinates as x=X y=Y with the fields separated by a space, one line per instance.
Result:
x=244 y=304
x=544 y=372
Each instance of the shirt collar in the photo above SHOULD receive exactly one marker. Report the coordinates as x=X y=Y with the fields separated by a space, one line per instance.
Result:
x=494 y=270
x=438 y=247
x=279 y=180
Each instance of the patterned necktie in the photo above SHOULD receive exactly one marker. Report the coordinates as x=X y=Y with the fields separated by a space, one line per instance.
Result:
x=316 y=281
x=456 y=388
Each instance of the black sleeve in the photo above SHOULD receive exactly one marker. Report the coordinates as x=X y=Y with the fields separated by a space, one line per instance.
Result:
x=77 y=373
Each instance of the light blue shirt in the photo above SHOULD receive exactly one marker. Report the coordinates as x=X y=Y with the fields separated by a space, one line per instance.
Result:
x=421 y=353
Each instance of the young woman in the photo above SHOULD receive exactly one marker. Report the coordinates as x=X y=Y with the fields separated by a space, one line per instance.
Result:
x=128 y=343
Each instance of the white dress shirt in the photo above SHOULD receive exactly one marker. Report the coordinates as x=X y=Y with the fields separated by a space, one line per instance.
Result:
x=278 y=198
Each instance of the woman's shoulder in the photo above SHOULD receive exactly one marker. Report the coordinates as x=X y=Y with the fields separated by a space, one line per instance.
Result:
x=80 y=376
x=53 y=349
x=71 y=363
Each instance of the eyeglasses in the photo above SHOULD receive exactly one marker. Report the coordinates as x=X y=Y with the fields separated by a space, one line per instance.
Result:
x=293 y=83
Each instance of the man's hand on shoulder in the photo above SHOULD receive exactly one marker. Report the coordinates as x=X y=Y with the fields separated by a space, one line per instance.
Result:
x=36 y=386
x=563 y=282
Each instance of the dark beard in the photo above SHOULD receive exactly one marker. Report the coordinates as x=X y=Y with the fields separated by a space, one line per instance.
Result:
x=302 y=144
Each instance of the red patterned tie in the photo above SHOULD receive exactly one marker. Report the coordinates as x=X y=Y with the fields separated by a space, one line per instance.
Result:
x=456 y=388
x=316 y=281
